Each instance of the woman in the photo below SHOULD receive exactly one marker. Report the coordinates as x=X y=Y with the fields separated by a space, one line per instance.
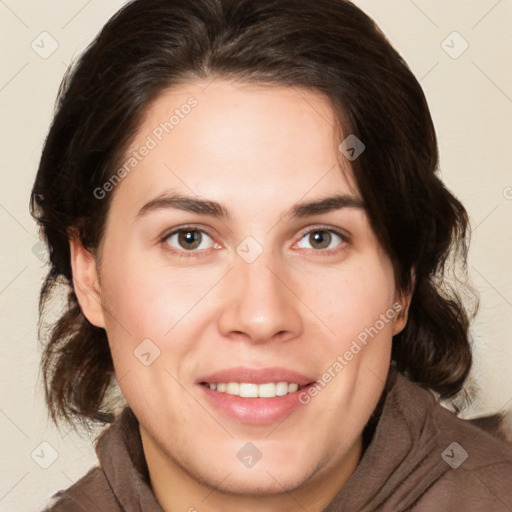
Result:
x=242 y=198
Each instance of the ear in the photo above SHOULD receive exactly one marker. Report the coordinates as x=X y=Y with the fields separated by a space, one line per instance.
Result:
x=404 y=299
x=86 y=282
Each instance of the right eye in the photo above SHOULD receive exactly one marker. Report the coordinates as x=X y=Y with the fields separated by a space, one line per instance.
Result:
x=189 y=240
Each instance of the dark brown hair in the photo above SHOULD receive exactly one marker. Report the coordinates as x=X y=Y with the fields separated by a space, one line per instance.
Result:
x=329 y=46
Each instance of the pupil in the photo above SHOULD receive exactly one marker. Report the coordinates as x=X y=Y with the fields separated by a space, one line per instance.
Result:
x=320 y=238
x=189 y=238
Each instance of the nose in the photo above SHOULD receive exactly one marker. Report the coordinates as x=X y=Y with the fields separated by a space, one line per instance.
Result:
x=262 y=303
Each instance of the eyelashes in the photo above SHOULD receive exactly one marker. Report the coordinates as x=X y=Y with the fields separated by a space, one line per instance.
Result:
x=194 y=237
x=195 y=241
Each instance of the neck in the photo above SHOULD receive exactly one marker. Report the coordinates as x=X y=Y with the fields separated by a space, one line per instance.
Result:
x=176 y=489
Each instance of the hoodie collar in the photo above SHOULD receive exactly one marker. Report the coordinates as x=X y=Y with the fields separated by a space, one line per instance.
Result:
x=403 y=458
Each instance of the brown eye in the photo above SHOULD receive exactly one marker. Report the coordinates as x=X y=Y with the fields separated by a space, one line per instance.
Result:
x=188 y=239
x=322 y=239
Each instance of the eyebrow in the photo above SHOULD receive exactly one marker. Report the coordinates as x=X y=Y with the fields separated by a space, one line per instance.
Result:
x=202 y=206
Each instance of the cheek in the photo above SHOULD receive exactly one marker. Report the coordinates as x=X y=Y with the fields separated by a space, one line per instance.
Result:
x=149 y=298
x=355 y=298
x=356 y=351
x=169 y=306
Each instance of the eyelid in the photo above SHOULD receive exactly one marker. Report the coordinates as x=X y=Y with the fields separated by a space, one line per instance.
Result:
x=185 y=227
x=163 y=239
x=324 y=227
x=346 y=239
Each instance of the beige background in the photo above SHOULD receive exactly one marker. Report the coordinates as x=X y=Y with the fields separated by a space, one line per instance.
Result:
x=471 y=103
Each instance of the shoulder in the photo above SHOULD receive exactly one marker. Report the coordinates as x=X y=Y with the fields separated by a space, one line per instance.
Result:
x=91 y=492
x=120 y=481
x=479 y=467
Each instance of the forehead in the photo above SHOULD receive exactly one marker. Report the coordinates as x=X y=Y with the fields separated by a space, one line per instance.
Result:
x=236 y=140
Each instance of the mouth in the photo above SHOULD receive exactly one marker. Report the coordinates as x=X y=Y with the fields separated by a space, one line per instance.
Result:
x=253 y=390
x=255 y=396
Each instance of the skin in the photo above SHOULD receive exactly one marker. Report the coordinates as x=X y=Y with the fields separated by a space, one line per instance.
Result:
x=258 y=151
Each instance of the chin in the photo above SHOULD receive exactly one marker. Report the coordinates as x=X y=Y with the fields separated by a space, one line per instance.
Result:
x=278 y=471
x=264 y=482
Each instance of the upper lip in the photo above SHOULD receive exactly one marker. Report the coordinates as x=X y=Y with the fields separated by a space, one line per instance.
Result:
x=257 y=376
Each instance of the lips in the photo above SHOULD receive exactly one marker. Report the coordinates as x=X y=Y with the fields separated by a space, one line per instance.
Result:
x=253 y=409
x=257 y=376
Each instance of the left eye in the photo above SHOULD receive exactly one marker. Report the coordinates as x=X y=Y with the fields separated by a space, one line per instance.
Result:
x=322 y=238
x=189 y=239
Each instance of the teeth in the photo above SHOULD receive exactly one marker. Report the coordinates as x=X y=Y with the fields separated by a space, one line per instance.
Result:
x=267 y=390
x=250 y=390
x=292 y=388
x=281 y=388
x=232 y=388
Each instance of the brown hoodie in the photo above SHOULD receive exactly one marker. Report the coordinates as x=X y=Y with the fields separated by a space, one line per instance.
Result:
x=420 y=458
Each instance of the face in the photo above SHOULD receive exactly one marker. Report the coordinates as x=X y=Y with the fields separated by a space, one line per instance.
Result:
x=207 y=306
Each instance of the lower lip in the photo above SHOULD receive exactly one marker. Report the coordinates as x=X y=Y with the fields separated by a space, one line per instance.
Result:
x=254 y=410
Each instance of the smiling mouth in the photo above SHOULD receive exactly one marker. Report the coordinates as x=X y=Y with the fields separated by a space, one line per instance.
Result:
x=252 y=390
